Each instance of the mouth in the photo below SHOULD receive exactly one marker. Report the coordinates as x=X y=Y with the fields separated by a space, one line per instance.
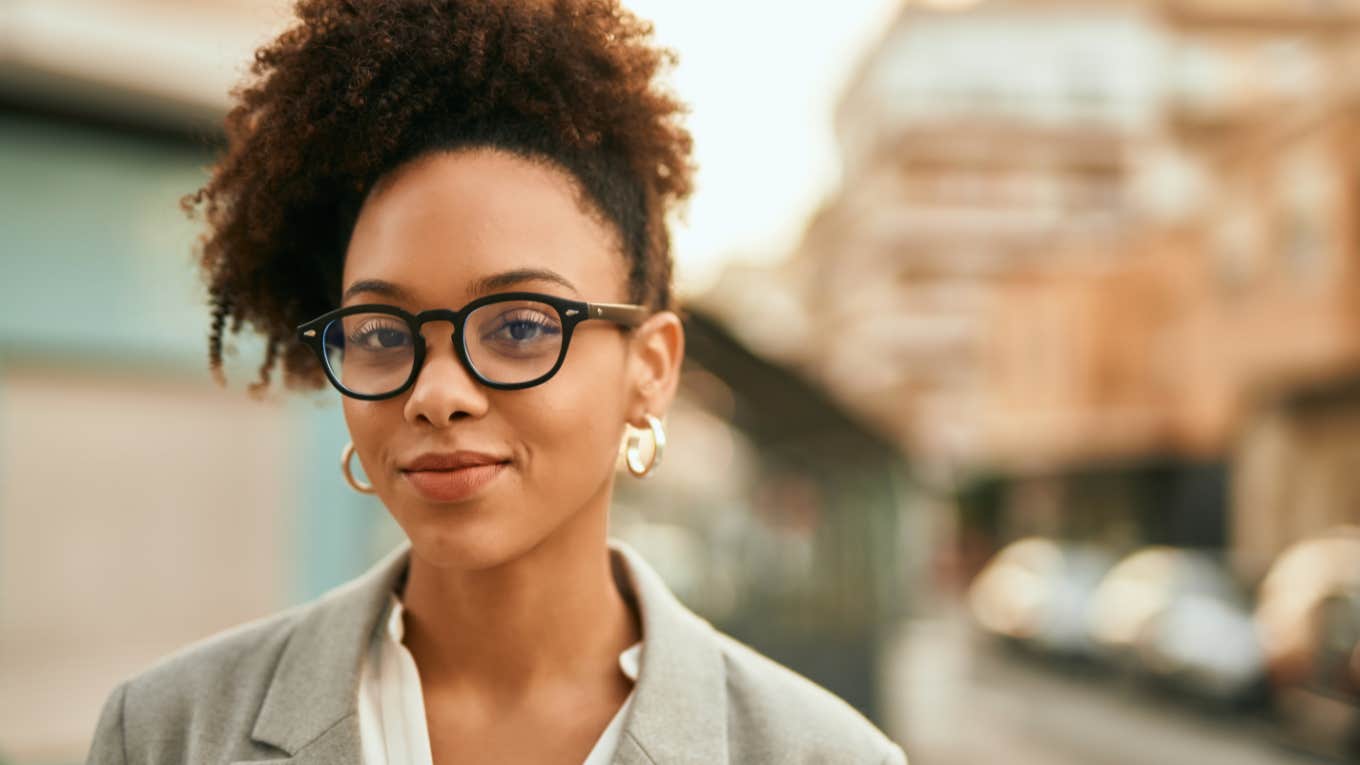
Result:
x=453 y=478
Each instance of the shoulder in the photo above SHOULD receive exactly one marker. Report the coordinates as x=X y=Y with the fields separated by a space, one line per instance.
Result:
x=221 y=666
x=777 y=715
x=202 y=695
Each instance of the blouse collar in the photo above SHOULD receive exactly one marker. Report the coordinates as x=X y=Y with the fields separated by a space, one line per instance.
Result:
x=395 y=630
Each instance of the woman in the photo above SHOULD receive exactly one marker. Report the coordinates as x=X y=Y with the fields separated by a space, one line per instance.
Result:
x=454 y=212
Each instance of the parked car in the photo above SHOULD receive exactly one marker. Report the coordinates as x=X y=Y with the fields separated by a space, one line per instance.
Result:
x=1037 y=591
x=1179 y=616
x=1308 y=614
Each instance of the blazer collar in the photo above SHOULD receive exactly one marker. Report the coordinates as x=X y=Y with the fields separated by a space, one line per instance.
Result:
x=679 y=709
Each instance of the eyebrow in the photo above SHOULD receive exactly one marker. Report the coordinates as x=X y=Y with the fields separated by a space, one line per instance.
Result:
x=481 y=286
x=377 y=287
x=515 y=276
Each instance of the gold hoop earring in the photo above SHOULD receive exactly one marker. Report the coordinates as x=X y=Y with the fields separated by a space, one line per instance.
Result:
x=354 y=483
x=633 y=455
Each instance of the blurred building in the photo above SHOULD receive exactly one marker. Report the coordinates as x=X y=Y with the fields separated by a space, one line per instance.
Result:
x=1269 y=303
x=1080 y=247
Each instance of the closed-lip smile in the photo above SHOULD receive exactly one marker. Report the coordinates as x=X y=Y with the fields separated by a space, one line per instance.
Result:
x=451 y=461
x=452 y=476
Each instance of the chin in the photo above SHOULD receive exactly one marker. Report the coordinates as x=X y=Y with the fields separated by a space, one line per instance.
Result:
x=468 y=543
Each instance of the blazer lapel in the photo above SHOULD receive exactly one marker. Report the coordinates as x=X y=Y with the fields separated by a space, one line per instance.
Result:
x=338 y=745
x=679 y=711
x=310 y=710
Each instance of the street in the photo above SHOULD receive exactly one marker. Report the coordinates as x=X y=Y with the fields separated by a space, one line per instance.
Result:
x=961 y=700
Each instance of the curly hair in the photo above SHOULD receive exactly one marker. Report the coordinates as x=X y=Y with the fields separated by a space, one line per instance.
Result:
x=357 y=88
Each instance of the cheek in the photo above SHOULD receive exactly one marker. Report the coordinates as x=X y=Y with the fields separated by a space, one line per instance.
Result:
x=370 y=424
x=576 y=423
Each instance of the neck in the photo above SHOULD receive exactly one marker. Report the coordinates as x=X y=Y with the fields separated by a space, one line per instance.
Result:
x=553 y=614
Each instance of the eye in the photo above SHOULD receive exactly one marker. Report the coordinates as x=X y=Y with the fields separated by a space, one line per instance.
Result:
x=380 y=334
x=523 y=326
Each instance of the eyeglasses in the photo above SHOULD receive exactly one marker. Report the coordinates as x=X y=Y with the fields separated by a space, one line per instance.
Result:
x=506 y=341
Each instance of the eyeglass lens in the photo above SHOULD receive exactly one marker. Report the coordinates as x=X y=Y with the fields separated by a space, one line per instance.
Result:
x=507 y=343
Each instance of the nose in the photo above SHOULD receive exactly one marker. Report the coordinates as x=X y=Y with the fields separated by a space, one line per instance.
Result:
x=444 y=390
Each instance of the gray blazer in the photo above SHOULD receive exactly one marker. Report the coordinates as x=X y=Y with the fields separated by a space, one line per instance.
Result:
x=283 y=689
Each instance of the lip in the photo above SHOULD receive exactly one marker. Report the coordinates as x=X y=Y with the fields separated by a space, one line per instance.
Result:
x=452 y=460
x=452 y=477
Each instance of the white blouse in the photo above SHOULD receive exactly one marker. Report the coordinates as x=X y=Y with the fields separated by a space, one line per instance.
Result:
x=392 y=710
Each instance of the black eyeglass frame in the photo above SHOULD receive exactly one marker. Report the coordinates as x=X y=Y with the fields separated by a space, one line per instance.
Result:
x=569 y=313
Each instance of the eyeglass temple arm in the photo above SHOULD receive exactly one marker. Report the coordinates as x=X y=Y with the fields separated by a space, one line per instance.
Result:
x=619 y=313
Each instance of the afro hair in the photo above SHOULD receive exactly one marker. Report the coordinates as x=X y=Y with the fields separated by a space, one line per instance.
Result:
x=356 y=88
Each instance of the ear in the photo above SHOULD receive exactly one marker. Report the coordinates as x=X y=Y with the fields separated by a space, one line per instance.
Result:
x=656 y=352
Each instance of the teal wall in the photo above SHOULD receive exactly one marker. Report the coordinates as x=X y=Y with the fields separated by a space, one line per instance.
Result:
x=97 y=272
x=97 y=257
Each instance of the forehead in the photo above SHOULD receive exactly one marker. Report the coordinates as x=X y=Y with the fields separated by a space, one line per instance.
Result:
x=442 y=227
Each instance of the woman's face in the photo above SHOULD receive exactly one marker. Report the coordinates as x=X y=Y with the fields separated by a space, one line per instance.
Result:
x=446 y=229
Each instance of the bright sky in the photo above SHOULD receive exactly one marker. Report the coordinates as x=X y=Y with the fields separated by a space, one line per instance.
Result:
x=762 y=78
